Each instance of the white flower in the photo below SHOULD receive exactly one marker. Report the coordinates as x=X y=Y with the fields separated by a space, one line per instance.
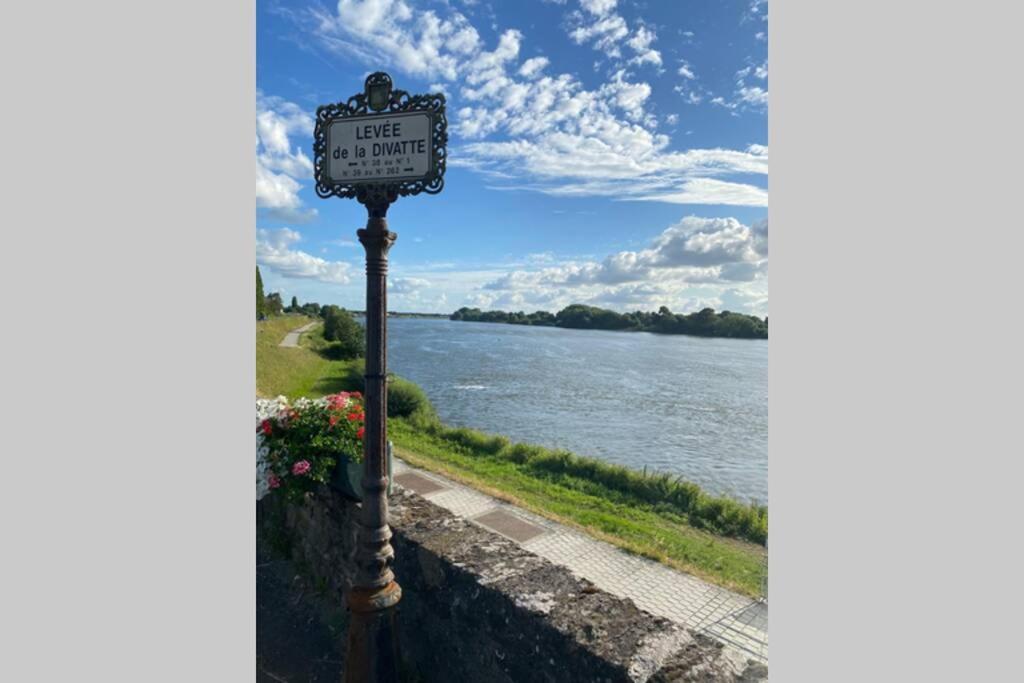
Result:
x=265 y=409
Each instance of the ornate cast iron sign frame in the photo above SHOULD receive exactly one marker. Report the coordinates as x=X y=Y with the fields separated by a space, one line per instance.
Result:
x=379 y=98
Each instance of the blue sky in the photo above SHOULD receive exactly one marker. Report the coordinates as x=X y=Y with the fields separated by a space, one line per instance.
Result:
x=606 y=152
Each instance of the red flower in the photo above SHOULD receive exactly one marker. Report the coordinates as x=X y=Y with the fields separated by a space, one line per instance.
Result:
x=359 y=434
x=274 y=481
x=356 y=394
x=265 y=426
x=352 y=417
x=333 y=420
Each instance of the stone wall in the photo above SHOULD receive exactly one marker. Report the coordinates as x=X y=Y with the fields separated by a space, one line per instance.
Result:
x=477 y=607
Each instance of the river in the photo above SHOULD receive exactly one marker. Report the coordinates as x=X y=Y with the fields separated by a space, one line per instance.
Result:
x=690 y=406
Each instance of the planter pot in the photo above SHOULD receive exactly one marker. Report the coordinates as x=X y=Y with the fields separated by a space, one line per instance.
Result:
x=348 y=476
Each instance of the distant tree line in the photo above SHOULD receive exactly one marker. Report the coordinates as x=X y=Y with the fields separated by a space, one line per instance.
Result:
x=704 y=323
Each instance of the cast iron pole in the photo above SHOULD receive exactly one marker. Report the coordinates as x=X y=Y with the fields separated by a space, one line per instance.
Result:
x=373 y=655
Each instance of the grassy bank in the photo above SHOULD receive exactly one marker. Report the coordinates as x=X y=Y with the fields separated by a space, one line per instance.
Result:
x=656 y=516
x=529 y=476
x=294 y=372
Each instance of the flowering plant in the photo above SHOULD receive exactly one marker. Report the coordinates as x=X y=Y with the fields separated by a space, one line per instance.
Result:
x=302 y=443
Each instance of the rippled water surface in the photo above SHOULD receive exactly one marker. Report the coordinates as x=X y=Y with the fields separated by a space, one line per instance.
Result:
x=691 y=406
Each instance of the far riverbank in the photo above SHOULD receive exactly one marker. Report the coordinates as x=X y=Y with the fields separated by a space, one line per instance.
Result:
x=703 y=323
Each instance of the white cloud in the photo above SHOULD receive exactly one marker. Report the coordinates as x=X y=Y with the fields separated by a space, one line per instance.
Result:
x=274 y=250
x=690 y=95
x=346 y=244
x=407 y=285
x=711 y=191
x=274 y=190
x=641 y=44
x=685 y=70
x=280 y=165
x=697 y=241
x=695 y=257
x=540 y=258
x=752 y=301
x=605 y=30
x=747 y=96
x=598 y=8
x=753 y=95
x=416 y=294
x=757 y=10
x=629 y=97
x=418 y=42
x=526 y=129
x=533 y=66
x=632 y=166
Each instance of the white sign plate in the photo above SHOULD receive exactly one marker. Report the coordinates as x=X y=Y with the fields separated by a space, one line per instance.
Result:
x=379 y=148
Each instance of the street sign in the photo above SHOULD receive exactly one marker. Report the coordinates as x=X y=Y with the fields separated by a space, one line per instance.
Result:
x=380 y=147
x=381 y=144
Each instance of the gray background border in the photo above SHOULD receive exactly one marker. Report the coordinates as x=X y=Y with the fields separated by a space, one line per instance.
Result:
x=894 y=368
x=895 y=364
x=128 y=358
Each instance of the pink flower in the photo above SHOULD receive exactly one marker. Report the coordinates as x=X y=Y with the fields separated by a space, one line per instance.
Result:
x=338 y=401
x=274 y=481
x=301 y=467
x=333 y=420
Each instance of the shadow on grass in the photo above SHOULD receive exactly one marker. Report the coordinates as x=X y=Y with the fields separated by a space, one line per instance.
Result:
x=347 y=376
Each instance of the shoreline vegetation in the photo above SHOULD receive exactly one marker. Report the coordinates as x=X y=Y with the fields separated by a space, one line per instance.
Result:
x=704 y=323
x=651 y=514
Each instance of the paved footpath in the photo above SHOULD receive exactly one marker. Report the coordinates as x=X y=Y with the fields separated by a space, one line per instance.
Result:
x=292 y=338
x=733 y=619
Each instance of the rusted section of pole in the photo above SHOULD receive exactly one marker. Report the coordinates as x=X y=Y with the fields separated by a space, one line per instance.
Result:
x=373 y=639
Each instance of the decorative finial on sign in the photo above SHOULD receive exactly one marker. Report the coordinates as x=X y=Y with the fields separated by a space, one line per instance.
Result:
x=378 y=90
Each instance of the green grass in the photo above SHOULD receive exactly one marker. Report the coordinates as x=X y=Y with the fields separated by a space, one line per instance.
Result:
x=651 y=530
x=655 y=516
x=295 y=372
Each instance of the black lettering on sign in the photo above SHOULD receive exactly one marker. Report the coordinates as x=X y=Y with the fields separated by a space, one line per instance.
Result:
x=379 y=130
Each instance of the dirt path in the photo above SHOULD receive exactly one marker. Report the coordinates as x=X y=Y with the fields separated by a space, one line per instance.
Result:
x=292 y=338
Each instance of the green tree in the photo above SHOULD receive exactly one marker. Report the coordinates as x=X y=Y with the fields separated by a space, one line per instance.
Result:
x=295 y=305
x=260 y=303
x=347 y=336
x=273 y=305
